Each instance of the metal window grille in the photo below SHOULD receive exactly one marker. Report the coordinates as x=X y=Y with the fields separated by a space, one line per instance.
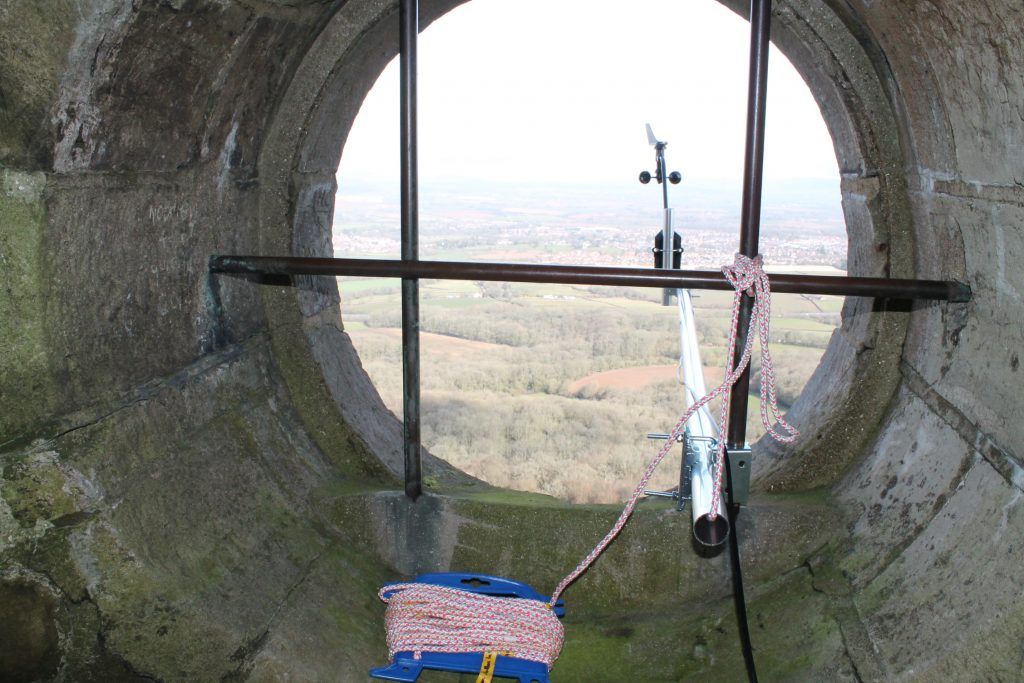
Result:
x=410 y=269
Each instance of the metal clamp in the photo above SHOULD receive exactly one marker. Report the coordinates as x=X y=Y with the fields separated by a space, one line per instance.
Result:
x=664 y=437
x=686 y=471
x=739 y=462
x=680 y=493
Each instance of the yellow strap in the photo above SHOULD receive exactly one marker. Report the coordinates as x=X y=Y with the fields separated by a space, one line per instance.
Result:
x=487 y=667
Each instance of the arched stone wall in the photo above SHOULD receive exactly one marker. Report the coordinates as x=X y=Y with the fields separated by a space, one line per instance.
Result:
x=197 y=481
x=936 y=500
x=857 y=379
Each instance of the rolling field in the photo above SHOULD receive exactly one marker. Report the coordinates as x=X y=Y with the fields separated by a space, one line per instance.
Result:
x=553 y=388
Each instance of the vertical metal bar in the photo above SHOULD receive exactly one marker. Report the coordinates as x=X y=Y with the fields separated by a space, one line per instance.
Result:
x=663 y=176
x=666 y=230
x=750 y=226
x=409 y=32
x=667 y=254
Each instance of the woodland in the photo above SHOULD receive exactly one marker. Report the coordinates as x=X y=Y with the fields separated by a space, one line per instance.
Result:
x=554 y=388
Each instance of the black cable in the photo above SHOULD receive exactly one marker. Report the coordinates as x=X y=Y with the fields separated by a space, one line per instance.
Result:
x=737 y=587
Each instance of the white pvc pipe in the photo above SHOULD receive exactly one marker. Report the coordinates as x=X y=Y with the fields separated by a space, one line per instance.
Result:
x=702 y=426
x=701 y=486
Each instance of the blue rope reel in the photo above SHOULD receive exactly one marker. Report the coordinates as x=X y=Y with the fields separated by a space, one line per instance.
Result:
x=405 y=667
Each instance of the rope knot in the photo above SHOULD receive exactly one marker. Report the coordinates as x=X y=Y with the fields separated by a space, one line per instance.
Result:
x=745 y=273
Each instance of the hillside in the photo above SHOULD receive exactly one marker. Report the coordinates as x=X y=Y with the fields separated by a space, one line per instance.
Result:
x=553 y=388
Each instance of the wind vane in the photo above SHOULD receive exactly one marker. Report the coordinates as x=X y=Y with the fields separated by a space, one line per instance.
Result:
x=667 y=234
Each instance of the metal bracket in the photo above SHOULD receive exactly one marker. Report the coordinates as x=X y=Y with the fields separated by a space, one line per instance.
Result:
x=686 y=470
x=657 y=436
x=685 y=467
x=681 y=493
x=739 y=462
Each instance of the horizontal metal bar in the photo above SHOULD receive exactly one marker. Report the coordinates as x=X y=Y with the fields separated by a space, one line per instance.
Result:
x=888 y=288
x=655 y=436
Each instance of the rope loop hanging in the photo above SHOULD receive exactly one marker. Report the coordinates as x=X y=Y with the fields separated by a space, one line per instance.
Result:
x=747 y=276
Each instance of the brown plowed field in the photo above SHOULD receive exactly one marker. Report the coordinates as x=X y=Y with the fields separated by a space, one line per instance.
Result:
x=429 y=340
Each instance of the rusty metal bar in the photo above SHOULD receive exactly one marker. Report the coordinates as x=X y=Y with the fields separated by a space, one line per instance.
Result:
x=408 y=37
x=750 y=222
x=785 y=283
x=750 y=228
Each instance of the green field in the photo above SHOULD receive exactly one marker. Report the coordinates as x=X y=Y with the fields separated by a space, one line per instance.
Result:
x=357 y=285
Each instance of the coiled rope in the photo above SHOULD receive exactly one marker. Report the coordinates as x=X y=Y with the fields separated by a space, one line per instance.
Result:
x=429 y=618
x=424 y=617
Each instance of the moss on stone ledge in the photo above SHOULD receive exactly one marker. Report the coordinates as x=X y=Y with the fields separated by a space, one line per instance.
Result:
x=28 y=391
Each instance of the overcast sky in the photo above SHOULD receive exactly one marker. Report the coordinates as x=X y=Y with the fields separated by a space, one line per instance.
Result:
x=560 y=90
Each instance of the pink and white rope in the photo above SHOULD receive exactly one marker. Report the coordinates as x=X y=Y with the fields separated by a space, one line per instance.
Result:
x=427 y=618
x=746 y=276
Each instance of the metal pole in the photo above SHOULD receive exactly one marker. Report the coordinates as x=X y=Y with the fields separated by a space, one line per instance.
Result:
x=662 y=175
x=668 y=253
x=750 y=226
x=667 y=228
x=409 y=31
x=889 y=288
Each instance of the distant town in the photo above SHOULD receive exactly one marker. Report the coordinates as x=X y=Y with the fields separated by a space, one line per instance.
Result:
x=589 y=226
